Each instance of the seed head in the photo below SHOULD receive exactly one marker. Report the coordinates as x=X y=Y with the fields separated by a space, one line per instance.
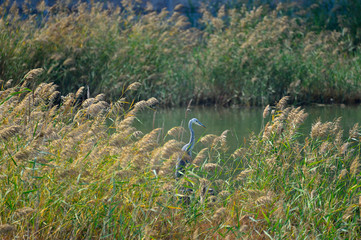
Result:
x=33 y=74
x=134 y=86
x=266 y=111
x=8 y=132
x=6 y=229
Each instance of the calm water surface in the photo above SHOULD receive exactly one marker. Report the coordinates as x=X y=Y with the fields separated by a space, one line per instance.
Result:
x=240 y=121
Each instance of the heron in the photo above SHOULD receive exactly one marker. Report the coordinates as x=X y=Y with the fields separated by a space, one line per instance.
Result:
x=187 y=149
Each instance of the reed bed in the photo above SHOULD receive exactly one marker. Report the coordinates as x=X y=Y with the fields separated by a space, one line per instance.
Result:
x=235 y=56
x=80 y=170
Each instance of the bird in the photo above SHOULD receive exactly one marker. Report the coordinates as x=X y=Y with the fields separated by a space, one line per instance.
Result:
x=187 y=149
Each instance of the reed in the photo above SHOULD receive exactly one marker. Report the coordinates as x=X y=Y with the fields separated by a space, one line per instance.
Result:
x=68 y=172
x=235 y=56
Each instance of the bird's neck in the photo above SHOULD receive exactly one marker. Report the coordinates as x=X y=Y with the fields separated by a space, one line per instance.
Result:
x=191 y=140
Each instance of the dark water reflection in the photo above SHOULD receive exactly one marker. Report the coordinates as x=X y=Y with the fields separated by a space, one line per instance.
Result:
x=240 y=121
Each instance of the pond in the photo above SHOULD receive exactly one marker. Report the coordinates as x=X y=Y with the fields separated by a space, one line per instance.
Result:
x=240 y=121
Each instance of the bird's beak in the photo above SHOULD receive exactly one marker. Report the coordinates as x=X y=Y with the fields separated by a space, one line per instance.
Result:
x=202 y=125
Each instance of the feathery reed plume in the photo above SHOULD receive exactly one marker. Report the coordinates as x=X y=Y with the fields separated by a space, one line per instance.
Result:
x=149 y=141
x=354 y=168
x=238 y=153
x=201 y=157
x=196 y=234
x=54 y=96
x=324 y=147
x=125 y=123
x=210 y=167
x=23 y=154
x=354 y=133
x=343 y=174
x=80 y=92
x=7 y=229
x=176 y=132
x=244 y=174
x=224 y=194
x=68 y=62
x=8 y=132
x=219 y=214
x=295 y=117
x=134 y=86
x=282 y=103
x=320 y=130
x=69 y=173
x=344 y=148
x=24 y=212
x=266 y=111
x=32 y=74
x=68 y=102
x=208 y=139
x=171 y=147
x=222 y=139
x=152 y=101
x=118 y=105
x=349 y=212
x=8 y=83
x=88 y=102
x=264 y=200
x=98 y=107
x=124 y=174
x=100 y=97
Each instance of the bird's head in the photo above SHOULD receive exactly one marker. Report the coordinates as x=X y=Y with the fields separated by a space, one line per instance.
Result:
x=196 y=121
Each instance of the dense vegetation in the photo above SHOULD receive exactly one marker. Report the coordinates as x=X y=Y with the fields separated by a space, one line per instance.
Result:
x=82 y=171
x=236 y=56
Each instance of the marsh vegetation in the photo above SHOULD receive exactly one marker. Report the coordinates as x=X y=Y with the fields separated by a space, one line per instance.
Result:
x=74 y=165
x=235 y=56
x=66 y=173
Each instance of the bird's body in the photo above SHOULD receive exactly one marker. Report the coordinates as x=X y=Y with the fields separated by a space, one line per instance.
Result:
x=187 y=149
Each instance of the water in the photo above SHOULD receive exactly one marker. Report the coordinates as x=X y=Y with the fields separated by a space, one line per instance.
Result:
x=240 y=121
